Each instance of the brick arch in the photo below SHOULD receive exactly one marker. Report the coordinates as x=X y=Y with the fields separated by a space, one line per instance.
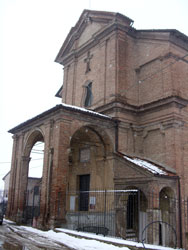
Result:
x=167 y=205
x=33 y=137
x=168 y=191
x=88 y=155
x=100 y=133
x=132 y=204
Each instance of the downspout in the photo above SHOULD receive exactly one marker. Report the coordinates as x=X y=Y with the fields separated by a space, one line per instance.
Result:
x=180 y=215
x=116 y=137
x=49 y=183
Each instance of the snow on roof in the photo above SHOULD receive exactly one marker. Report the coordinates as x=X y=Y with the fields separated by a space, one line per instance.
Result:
x=57 y=108
x=85 y=110
x=147 y=165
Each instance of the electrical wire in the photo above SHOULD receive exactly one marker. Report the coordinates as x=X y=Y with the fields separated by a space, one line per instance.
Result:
x=31 y=160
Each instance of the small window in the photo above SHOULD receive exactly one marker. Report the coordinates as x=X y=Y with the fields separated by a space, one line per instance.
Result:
x=89 y=95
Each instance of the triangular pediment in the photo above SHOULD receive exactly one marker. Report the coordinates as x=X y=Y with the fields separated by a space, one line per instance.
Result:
x=127 y=170
x=90 y=30
x=89 y=25
x=134 y=167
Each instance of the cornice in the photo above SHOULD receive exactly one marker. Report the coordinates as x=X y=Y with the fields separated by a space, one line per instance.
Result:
x=118 y=104
x=90 y=16
x=170 y=35
x=60 y=110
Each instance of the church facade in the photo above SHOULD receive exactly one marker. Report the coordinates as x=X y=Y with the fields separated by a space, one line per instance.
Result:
x=121 y=128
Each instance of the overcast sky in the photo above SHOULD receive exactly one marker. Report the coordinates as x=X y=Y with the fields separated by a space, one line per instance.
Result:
x=31 y=34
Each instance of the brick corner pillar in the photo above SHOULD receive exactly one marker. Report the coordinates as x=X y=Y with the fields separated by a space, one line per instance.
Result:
x=22 y=189
x=59 y=174
x=154 y=216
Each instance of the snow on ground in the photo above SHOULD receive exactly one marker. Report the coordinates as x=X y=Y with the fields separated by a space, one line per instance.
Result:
x=114 y=240
x=92 y=242
x=74 y=242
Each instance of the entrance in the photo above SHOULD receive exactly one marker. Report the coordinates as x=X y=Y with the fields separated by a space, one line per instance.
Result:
x=84 y=183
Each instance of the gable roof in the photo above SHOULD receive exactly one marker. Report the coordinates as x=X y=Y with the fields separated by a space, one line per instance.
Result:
x=58 y=108
x=103 y=17
x=148 y=166
x=109 y=21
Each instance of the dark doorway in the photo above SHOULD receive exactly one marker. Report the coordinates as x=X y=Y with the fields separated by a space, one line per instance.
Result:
x=84 y=181
x=132 y=211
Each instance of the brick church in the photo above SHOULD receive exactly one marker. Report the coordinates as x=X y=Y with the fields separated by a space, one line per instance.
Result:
x=121 y=130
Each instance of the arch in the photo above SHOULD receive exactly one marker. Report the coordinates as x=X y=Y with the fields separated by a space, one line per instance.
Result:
x=31 y=180
x=168 y=191
x=32 y=138
x=131 y=213
x=88 y=162
x=167 y=205
x=102 y=135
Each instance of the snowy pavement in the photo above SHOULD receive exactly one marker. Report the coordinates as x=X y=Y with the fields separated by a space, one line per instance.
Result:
x=68 y=239
x=73 y=242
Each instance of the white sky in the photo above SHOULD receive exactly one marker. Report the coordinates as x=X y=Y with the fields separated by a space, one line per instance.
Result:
x=31 y=34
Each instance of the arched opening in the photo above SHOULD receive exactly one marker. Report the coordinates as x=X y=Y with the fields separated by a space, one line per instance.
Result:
x=88 y=169
x=136 y=216
x=87 y=153
x=34 y=153
x=131 y=213
x=168 y=204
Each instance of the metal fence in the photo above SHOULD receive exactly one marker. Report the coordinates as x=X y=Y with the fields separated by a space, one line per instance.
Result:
x=129 y=214
x=3 y=200
x=32 y=206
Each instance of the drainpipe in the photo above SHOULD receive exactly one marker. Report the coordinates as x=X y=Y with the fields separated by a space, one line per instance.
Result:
x=180 y=215
x=49 y=183
x=116 y=136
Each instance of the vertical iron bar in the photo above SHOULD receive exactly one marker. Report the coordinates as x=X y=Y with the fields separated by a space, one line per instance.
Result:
x=187 y=213
x=138 y=238
x=104 y=208
x=33 y=207
x=180 y=216
x=78 y=210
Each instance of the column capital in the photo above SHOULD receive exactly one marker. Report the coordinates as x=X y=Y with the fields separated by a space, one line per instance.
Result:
x=26 y=159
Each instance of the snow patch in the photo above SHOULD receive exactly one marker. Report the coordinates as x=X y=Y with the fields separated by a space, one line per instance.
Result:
x=145 y=164
x=93 y=243
x=85 y=110
x=74 y=242
x=114 y=240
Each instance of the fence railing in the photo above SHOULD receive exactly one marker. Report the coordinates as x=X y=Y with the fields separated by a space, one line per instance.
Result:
x=3 y=200
x=128 y=214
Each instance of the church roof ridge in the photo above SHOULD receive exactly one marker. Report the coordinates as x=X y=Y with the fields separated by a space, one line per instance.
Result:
x=57 y=108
